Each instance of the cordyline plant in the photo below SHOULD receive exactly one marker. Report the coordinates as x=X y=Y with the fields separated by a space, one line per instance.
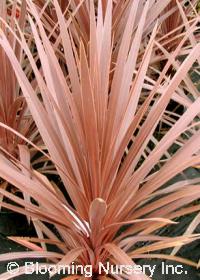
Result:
x=14 y=111
x=13 y=107
x=98 y=120
x=175 y=17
